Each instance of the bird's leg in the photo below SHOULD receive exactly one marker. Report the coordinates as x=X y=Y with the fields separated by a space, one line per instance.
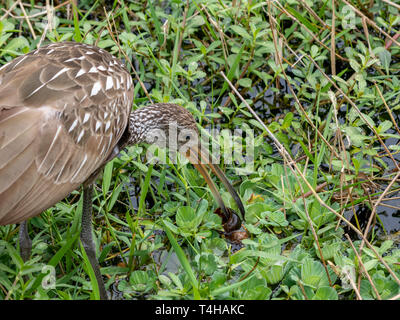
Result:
x=25 y=243
x=87 y=240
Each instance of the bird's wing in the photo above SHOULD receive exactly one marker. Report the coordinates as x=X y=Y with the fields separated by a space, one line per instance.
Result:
x=63 y=108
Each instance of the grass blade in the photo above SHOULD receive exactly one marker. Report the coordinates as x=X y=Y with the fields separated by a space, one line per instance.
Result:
x=107 y=175
x=232 y=70
x=184 y=262
x=90 y=272
x=55 y=260
x=157 y=24
x=77 y=31
x=230 y=287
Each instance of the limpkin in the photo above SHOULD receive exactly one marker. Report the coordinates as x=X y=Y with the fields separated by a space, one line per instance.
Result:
x=65 y=111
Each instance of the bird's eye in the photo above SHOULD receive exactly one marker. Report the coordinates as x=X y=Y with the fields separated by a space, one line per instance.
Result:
x=187 y=138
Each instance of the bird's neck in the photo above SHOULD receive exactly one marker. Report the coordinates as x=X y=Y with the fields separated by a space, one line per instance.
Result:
x=144 y=121
x=156 y=123
x=138 y=125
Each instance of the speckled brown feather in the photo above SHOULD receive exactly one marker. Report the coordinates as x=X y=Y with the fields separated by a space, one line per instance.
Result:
x=63 y=109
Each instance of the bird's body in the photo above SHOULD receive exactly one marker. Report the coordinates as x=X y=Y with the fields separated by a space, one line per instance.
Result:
x=63 y=110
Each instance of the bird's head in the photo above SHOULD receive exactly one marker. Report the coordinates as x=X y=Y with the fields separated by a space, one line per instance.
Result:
x=172 y=126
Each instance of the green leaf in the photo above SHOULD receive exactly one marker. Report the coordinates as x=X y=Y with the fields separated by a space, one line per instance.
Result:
x=241 y=32
x=107 y=175
x=77 y=32
x=184 y=261
x=245 y=82
x=270 y=257
x=370 y=264
x=232 y=70
x=176 y=280
x=368 y=120
x=186 y=218
x=326 y=293
x=302 y=19
x=140 y=280
x=386 y=245
x=114 y=196
x=208 y=264
x=287 y=120
x=171 y=227
x=157 y=23
x=228 y=288
x=385 y=58
x=92 y=276
x=56 y=259
x=254 y=289
x=254 y=211
x=273 y=274
x=13 y=254
x=15 y=45
x=384 y=126
x=313 y=274
x=355 y=65
x=275 y=218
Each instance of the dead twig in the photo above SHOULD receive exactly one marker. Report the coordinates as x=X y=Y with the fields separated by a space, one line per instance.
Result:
x=109 y=28
x=294 y=168
x=9 y=11
x=372 y=23
x=333 y=40
x=363 y=267
x=27 y=20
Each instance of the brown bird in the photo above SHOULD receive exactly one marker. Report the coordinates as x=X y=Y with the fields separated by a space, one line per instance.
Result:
x=65 y=111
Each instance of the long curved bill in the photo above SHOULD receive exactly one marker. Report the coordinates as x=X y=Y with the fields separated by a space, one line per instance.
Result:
x=200 y=158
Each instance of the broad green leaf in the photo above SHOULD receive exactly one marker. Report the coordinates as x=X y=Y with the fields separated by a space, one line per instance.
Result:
x=302 y=19
x=273 y=274
x=242 y=32
x=15 y=45
x=326 y=293
x=186 y=218
x=245 y=82
x=385 y=58
x=313 y=274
